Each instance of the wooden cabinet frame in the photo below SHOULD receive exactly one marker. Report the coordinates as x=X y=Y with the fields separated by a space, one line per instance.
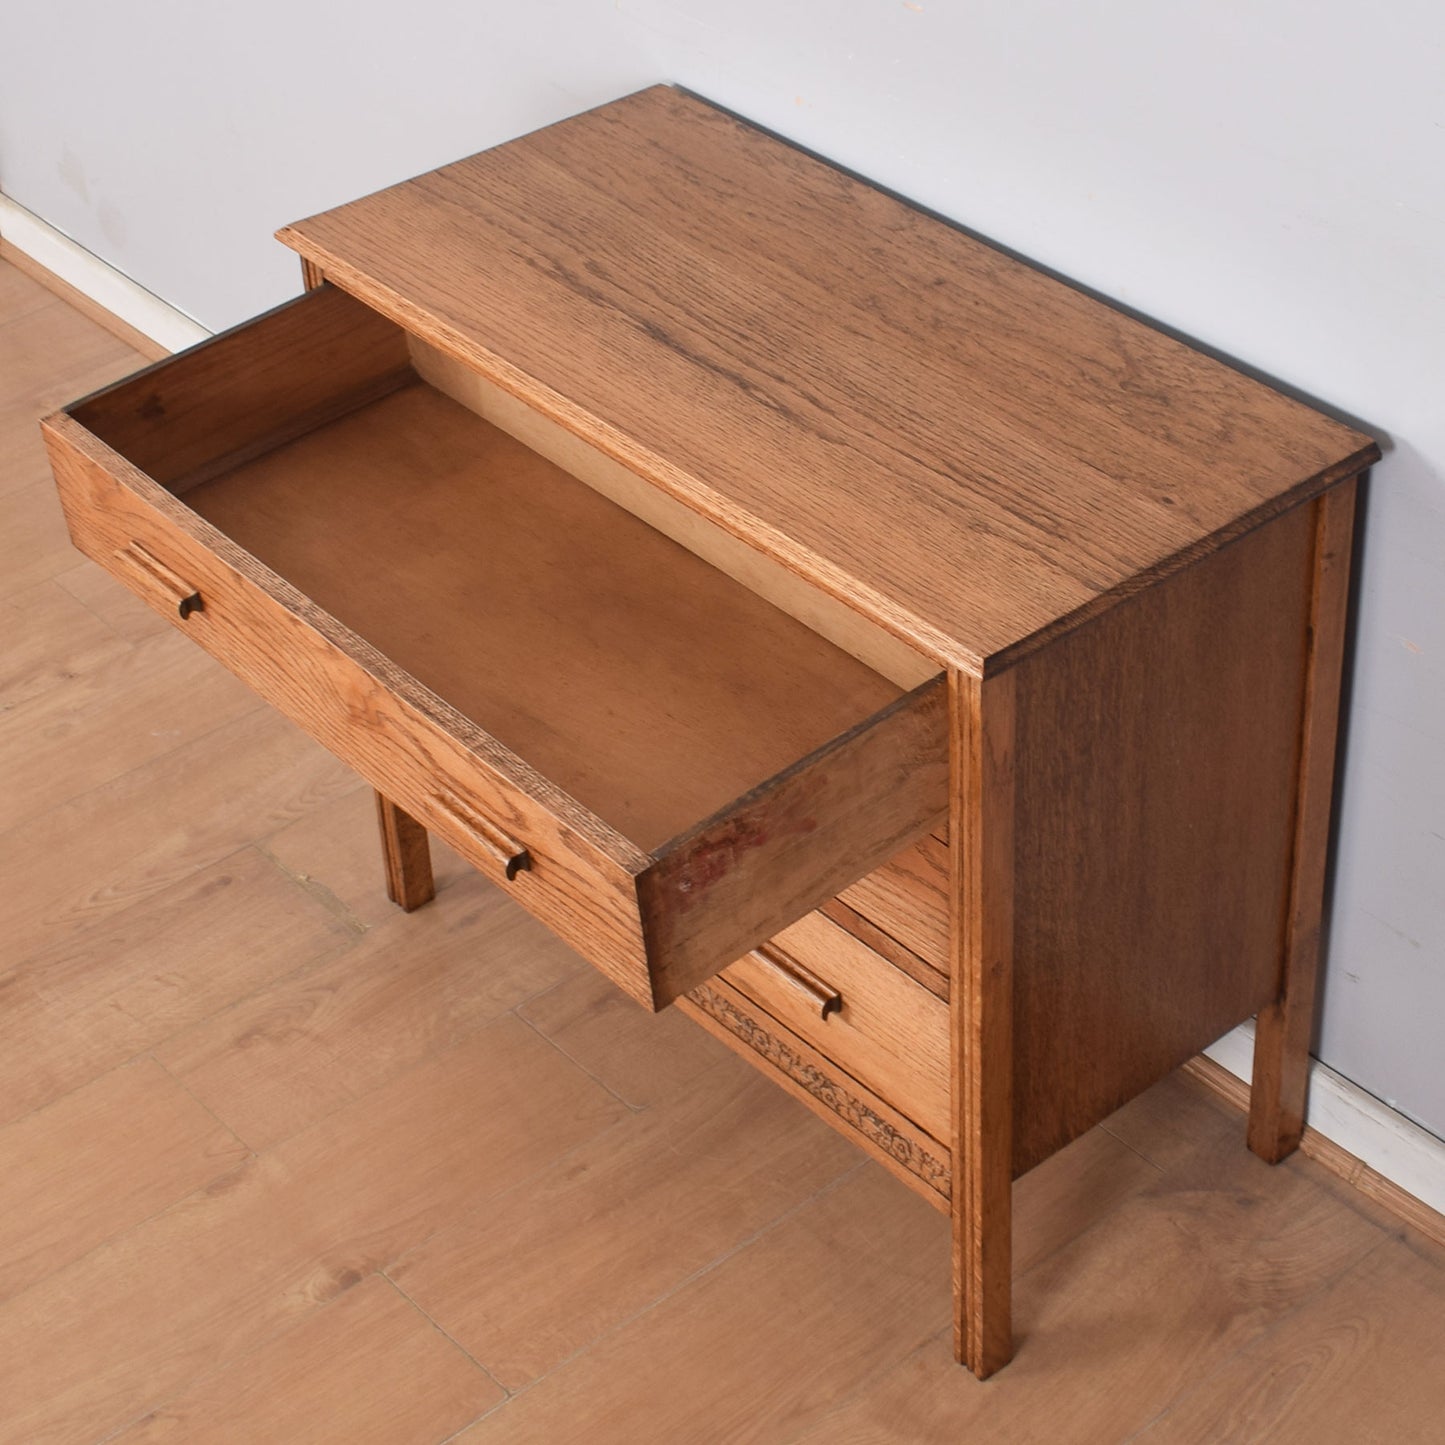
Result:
x=1094 y=577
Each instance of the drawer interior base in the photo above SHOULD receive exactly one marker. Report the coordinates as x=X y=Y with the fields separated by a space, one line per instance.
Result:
x=651 y=686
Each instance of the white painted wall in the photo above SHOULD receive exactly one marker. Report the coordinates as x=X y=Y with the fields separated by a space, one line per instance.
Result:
x=1268 y=178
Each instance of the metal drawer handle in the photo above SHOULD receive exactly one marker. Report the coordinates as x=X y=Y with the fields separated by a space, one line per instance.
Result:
x=509 y=854
x=187 y=599
x=825 y=999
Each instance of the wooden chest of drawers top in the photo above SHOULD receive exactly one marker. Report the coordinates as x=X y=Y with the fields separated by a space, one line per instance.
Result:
x=968 y=451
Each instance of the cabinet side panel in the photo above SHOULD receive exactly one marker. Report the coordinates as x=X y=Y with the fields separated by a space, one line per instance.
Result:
x=1157 y=762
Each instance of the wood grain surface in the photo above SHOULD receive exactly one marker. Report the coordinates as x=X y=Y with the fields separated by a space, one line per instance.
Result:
x=970 y=452
x=986 y=756
x=701 y=1204
x=829 y=1091
x=368 y=1367
x=1286 y=1023
x=760 y=574
x=250 y=389
x=52 y=1214
x=908 y=899
x=1159 y=747
x=888 y=947
x=890 y=1033
x=707 y=1260
x=644 y=682
x=634 y=678
x=405 y=856
x=354 y=701
x=784 y=849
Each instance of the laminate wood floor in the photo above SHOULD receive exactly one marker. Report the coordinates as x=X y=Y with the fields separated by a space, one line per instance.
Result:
x=280 y=1163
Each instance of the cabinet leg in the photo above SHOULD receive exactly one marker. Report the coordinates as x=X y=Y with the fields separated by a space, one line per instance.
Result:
x=981 y=829
x=407 y=855
x=1284 y=1029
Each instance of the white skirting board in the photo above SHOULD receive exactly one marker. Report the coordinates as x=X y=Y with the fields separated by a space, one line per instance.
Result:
x=1377 y=1135
x=95 y=278
x=1357 y=1122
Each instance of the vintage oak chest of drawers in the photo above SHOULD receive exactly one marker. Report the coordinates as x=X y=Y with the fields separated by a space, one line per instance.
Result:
x=917 y=671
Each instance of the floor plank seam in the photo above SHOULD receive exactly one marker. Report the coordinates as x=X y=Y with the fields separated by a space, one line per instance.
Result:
x=1119 y=1138
x=872 y=1377
x=218 y=1367
x=576 y=1063
x=8 y=1301
x=85 y=565
x=313 y=888
x=252 y=1153
x=699 y=1273
x=448 y=1337
x=152 y=762
x=48 y=298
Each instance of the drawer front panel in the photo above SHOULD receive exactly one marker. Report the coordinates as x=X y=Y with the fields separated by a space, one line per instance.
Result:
x=145 y=538
x=908 y=899
x=857 y=1009
x=871 y=1122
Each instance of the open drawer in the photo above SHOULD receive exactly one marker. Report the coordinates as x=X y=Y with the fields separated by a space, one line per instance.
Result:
x=661 y=766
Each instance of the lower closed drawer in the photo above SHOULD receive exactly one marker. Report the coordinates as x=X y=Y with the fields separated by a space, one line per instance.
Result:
x=908 y=899
x=659 y=765
x=858 y=1010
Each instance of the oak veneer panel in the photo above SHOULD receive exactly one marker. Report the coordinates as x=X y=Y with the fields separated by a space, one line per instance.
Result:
x=968 y=450
x=367 y=1367
x=183 y=419
x=1137 y=941
x=98 y=1161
